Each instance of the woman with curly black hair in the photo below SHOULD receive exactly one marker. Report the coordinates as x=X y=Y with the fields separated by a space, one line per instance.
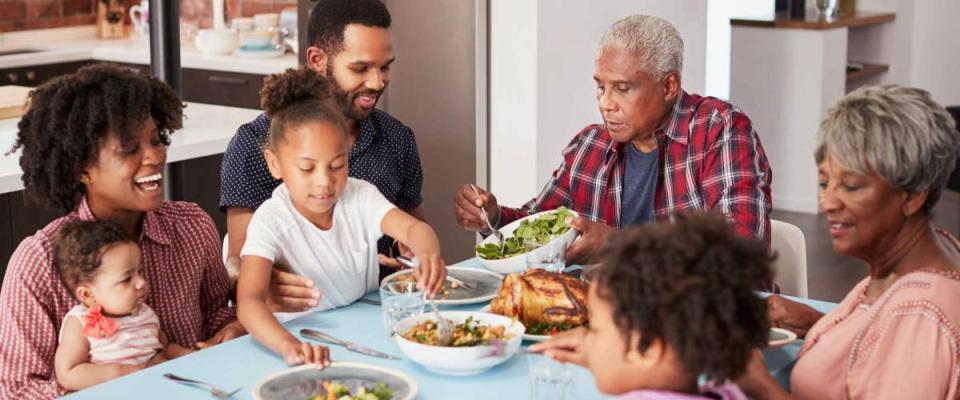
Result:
x=94 y=146
x=669 y=303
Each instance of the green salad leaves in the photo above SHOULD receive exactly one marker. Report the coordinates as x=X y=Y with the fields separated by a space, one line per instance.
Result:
x=537 y=230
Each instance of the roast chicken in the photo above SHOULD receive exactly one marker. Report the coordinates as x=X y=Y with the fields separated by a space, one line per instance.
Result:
x=541 y=296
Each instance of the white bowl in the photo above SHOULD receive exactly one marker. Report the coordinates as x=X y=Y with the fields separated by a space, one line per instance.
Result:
x=216 y=42
x=518 y=263
x=459 y=361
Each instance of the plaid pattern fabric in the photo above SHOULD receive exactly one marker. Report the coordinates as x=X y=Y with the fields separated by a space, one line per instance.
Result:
x=709 y=155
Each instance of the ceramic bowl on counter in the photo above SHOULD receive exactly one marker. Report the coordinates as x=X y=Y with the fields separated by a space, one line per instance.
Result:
x=257 y=40
x=216 y=41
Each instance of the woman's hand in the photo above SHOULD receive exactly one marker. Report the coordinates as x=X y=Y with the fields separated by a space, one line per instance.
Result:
x=431 y=274
x=295 y=353
x=757 y=383
x=229 y=331
x=791 y=315
x=290 y=292
x=565 y=347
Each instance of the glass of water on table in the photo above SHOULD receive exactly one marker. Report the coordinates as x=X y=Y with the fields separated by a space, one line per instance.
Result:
x=399 y=300
x=545 y=253
x=549 y=379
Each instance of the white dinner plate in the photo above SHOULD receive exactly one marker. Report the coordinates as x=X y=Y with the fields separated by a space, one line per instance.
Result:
x=487 y=284
x=306 y=381
x=781 y=337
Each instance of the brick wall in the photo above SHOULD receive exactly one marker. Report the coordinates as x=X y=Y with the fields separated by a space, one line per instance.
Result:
x=19 y=15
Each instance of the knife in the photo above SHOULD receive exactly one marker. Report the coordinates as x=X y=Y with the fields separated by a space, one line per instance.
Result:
x=323 y=337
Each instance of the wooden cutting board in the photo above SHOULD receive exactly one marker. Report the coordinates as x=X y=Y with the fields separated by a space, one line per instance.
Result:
x=12 y=100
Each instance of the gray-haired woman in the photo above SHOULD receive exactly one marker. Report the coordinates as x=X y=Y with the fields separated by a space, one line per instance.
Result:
x=884 y=156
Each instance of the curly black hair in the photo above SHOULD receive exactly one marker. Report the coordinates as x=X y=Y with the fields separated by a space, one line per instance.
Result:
x=68 y=118
x=689 y=283
x=79 y=249
x=329 y=18
x=296 y=96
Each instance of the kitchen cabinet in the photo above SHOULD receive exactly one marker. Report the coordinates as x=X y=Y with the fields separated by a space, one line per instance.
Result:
x=198 y=181
x=223 y=88
x=17 y=221
x=36 y=75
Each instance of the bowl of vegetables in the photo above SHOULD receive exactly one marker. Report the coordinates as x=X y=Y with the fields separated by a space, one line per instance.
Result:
x=480 y=341
x=544 y=227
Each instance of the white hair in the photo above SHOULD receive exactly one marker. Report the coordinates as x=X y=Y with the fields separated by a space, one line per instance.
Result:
x=656 y=41
x=900 y=133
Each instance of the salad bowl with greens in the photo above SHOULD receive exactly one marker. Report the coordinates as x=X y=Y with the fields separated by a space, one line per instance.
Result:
x=542 y=227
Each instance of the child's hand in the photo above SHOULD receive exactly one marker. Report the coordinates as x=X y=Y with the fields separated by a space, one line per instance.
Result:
x=432 y=273
x=565 y=347
x=296 y=353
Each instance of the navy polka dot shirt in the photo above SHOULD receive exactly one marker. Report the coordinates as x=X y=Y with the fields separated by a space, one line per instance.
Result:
x=384 y=154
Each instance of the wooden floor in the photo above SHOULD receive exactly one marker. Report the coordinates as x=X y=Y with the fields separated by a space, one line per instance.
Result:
x=831 y=276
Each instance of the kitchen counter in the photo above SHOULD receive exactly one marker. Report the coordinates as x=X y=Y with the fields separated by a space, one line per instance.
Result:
x=207 y=129
x=79 y=43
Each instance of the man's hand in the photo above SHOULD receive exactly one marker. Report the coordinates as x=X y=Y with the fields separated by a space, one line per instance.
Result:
x=290 y=292
x=467 y=204
x=229 y=331
x=791 y=315
x=565 y=347
x=593 y=236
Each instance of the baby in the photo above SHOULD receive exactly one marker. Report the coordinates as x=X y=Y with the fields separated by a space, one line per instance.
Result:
x=112 y=332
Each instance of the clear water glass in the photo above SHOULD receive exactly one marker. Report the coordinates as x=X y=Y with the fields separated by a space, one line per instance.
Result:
x=549 y=379
x=399 y=300
x=546 y=254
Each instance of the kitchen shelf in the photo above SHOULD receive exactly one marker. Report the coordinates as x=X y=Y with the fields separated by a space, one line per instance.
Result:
x=869 y=70
x=814 y=22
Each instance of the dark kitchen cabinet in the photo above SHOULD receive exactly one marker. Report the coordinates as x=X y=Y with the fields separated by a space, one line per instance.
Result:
x=223 y=88
x=36 y=75
x=198 y=181
x=17 y=221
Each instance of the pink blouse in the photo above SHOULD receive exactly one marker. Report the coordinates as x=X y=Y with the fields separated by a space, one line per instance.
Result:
x=903 y=346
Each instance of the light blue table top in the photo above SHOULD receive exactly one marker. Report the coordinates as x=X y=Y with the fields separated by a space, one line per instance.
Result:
x=241 y=363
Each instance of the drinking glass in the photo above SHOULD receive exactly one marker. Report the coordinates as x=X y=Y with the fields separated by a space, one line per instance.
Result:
x=399 y=300
x=549 y=379
x=546 y=253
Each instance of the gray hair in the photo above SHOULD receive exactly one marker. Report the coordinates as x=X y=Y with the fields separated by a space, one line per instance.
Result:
x=656 y=41
x=899 y=133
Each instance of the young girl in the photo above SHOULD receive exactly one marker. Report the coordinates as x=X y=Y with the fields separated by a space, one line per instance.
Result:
x=319 y=223
x=670 y=303
x=112 y=331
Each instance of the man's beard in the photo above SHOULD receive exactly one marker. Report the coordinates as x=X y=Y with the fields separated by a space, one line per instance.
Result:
x=346 y=101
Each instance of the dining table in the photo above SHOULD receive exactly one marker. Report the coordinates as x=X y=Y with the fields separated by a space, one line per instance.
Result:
x=241 y=363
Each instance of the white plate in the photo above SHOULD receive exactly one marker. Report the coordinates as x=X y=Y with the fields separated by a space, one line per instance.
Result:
x=487 y=285
x=781 y=337
x=518 y=263
x=305 y=381
x=526 y=336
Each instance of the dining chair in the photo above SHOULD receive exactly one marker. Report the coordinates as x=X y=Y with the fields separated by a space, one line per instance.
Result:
x=790 y=266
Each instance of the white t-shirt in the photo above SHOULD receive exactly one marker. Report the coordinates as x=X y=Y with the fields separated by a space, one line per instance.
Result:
x=342 y=261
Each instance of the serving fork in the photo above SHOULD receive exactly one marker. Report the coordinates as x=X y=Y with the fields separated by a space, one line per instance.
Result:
x=215 y=392
x=486 y=218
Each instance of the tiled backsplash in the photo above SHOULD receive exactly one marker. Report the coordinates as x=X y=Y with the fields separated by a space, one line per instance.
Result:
x=19 y=15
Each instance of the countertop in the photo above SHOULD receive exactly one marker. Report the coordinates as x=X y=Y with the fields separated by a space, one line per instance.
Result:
x=207 y=129
x=79 y=43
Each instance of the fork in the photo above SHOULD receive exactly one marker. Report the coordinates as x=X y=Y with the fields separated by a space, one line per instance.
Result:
x=444 y=331
x=220 y=394
x=486 y=218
